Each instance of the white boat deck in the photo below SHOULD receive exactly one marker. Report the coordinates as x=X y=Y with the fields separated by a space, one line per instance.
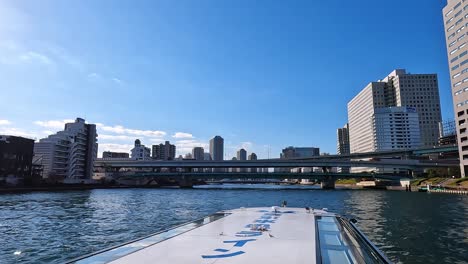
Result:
x=290 y=239
x=245 y=235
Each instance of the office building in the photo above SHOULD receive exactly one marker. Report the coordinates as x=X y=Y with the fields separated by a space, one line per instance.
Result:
x=16 y=154
x=342 y=144
x=342 y=138
x=198 y=153
x=396 y=128
x=455 y=15
x=418 y=92
x=447 y=133
x=206 y=156
x=165 y=151
x=140 y=152
x=253 y=156
x=69 y=155
x=241 y=154
x=115 y=155
x=299 y=152
x=217 y=148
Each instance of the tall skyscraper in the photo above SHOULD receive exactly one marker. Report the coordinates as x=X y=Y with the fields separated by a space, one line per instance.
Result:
x=165 y=151
x=405 y=93
x=198 y=153
x=140 y=152
x=455 y=14
x=70 y=153
x=342 y=138
x=241 y=154
x=253 y=156
x=217 y=148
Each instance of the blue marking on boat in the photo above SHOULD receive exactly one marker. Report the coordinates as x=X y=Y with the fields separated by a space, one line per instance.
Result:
x=223 y=255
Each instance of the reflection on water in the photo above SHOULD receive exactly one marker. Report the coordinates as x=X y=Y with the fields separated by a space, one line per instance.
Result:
x=56 y=226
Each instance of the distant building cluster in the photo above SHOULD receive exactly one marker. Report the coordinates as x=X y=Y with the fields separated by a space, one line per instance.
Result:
x=299 y=152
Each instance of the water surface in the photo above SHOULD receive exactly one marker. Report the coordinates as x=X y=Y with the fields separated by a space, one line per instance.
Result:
x=52 y=227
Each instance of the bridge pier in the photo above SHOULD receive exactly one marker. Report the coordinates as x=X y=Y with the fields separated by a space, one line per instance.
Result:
x=185 y=182
x=328 y=183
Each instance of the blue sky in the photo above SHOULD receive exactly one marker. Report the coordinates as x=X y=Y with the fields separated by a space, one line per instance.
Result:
x=262 y=74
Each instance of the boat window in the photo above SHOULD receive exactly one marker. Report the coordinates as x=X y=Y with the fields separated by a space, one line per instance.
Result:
x=340 y=242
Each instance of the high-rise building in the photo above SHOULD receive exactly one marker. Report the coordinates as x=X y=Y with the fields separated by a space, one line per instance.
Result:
x=165 y=151
x=69 y=154
x=241 y=154
x=396 y=127
x=198 y=153
x=342 y=135
x=206 y=156
x=454 y=14
x=299 y=152
x=16 y=154
x=253 y=156
x=447 y=133
x=140 y=152
x=411 y=93
x=115 y=155
x=217 y=148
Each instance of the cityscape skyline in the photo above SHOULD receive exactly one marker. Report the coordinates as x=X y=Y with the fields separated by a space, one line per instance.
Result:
x=56 y=68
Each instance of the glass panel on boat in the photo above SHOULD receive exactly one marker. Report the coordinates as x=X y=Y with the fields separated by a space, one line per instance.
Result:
x=108 y=255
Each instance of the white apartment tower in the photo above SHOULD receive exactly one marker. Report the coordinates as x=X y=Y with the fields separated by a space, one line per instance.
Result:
x=408 y=95
x=455 y=15
x=69 y=154
x=140 y=152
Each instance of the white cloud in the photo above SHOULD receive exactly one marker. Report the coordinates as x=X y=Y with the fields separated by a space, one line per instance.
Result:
x=4 y=122
x=57 y=124
x=32 y=56
x=247 y=145
x=182 y=135
x=115 y=137
x=133 y=132
x=94 y=75
x=64 y=56
x=118 y=81
x=114 y=147
x=184 y=146
x=12 y=131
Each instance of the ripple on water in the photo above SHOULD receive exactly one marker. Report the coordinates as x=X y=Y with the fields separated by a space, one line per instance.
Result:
x=54 y=227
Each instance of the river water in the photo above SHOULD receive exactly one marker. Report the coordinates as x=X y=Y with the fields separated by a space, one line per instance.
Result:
x=52 y=227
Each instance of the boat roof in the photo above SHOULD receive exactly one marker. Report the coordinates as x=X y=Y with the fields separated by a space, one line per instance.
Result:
x=245 y=235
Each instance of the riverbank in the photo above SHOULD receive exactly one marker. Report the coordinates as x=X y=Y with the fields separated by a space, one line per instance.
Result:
x=59 y=188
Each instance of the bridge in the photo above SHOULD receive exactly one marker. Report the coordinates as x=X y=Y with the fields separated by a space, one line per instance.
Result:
x=187 y=171
x=188 y=179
